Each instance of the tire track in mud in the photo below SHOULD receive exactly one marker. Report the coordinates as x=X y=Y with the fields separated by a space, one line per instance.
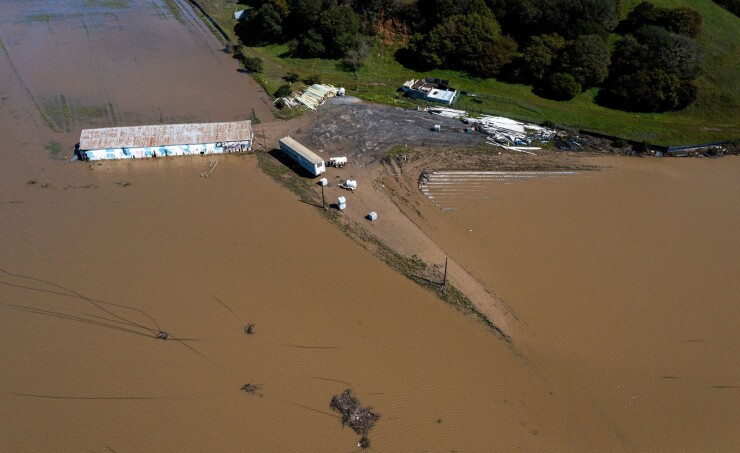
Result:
x=48 y=120
x=111 y=113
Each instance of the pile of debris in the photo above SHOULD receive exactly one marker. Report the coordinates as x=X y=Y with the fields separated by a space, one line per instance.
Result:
x=360 y=419
x=508 y=132
x=447 y=113
x=315 y=95
x=311 y=97
x=572 y=143
x=503 y=132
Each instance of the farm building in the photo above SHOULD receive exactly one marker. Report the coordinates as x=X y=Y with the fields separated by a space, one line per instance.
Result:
x=435 y=90
x=138 y=142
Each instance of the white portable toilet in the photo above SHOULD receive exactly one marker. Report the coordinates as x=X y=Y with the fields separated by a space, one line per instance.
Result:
x=323 y=182
x=373 y=216
x=340 y=92
x=342 y=202
x=437 y=128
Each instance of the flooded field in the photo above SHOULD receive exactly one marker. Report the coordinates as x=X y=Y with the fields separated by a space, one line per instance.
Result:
x=96 y=259
x=626 y=280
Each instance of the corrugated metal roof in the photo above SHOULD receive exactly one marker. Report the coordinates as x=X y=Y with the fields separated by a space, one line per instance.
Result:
x=165 y=134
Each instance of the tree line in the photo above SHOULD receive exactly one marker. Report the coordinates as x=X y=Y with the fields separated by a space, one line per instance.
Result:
x=732 y=6
x=558 y=46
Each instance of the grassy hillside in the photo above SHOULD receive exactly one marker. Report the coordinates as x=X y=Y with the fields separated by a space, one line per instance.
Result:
x=719 y=85
x=714 y=116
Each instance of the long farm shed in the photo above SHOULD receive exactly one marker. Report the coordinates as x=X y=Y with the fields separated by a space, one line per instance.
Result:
x=139 y=142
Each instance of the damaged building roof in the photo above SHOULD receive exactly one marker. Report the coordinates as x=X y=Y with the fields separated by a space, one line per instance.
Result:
x=436 y=90
x=165 y=134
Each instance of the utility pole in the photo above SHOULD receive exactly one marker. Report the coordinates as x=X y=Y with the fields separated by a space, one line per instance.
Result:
x=444 y=282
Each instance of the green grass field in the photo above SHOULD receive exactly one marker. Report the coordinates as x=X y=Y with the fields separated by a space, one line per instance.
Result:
x=714 y=116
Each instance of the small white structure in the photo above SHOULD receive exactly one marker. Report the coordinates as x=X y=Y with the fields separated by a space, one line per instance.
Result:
x=303 y=156
x=430 y=89
x=437 y=128
x=337 y=161
x=373 y=216
x=323 y=182
x=340 y=92
x=241 y=14
x=349 y=184
x=342 y=203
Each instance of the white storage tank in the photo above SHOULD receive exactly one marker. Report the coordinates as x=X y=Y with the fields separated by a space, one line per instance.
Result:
x=340 y=92
x=373 y=216
x=323 y=182
x=437 y=128
x=342 y=202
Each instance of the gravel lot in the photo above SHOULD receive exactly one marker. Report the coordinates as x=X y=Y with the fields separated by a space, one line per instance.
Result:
x=364 y=132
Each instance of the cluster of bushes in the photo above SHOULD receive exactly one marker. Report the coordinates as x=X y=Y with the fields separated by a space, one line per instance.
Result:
x=249 y=63
x=558 y=46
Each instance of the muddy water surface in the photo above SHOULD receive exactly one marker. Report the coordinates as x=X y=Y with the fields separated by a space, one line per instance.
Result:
x=626 y=280
x=96 y=259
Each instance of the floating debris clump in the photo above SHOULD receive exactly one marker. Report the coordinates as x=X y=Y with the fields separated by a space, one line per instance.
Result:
x=250 y=388
x=360 y=419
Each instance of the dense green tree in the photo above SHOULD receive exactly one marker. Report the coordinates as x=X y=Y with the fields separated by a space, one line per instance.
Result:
x=466 y=42
x=283 y=91
x=422 y=51
x=538 y=58
x=647 y=90
x=629 y=56
x=265 y=24
x=674 y=53
x=645 y=13
x=586 y=58
x=303 y=15
x=560 y=86
x=568 y=18
x=683 y=20
x=311 y=45
x=496 y=56
x=339 y=26
x=434 y=12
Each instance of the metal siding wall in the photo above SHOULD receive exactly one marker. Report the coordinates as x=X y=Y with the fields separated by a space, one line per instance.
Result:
x=161 y=151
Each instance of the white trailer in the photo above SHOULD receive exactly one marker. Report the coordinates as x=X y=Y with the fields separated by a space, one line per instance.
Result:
x=338 y=161
x=303 y=156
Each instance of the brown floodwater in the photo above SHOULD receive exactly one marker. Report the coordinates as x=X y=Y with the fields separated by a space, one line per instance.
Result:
x=95 y=259
x=626 y=280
